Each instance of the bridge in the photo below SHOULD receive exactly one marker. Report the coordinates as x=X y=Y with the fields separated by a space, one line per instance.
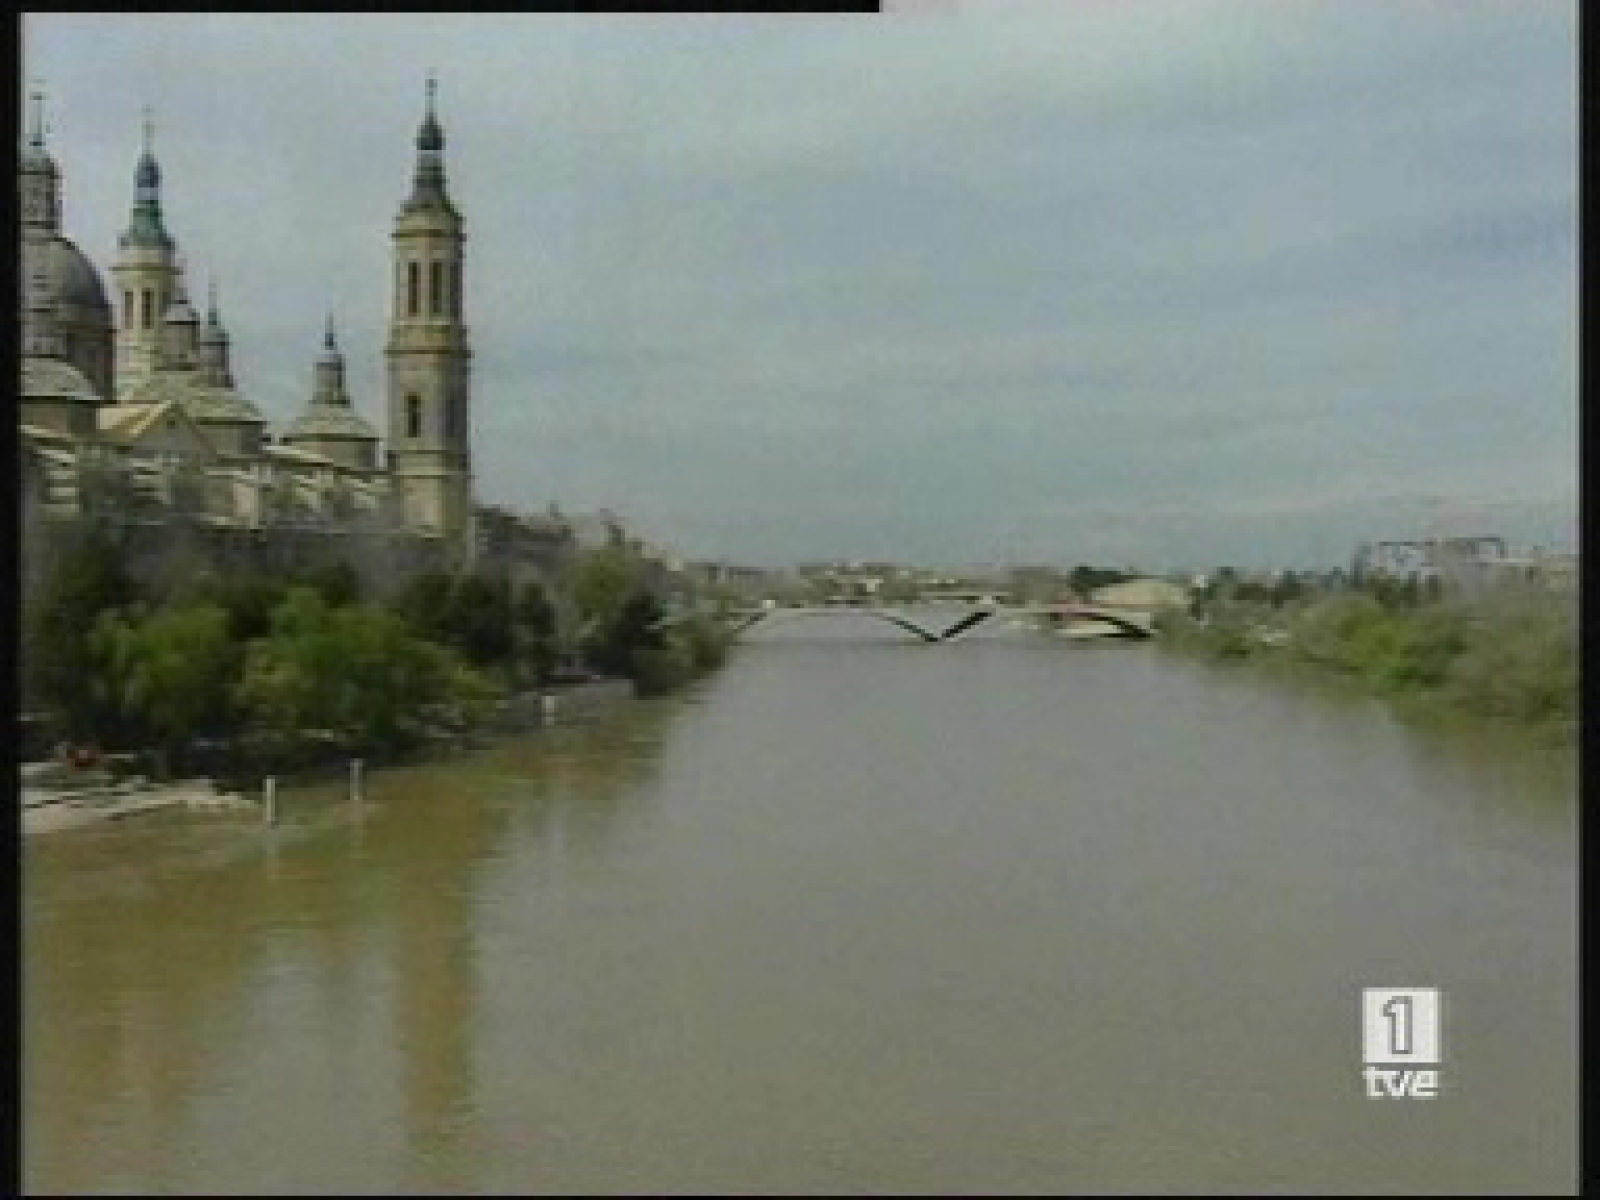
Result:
x=1121 y=622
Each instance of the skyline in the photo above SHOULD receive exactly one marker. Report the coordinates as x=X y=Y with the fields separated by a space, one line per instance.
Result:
x=1167 y=285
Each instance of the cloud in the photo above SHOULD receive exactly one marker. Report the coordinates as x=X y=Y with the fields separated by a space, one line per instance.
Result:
x=952 y=287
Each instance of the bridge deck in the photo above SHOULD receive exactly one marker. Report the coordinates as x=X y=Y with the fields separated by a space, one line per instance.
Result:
x=1131 y=622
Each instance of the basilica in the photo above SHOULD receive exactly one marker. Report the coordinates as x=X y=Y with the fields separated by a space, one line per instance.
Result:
x=131 y=412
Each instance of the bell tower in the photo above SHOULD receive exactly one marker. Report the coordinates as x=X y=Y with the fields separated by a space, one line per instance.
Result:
x=145 y=272
x=429 y=359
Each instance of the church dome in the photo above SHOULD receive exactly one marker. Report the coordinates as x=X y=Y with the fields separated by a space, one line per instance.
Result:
x=52 y=379
x=74 y=280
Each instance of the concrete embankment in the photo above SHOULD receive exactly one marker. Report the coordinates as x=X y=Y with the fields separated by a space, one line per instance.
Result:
x=49 y=808
x=56 y=797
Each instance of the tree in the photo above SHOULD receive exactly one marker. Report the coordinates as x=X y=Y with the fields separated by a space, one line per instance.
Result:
x=357 y=672
x=338 y=582
x=534 y=628
x=91 y=578
x=601 y=582
x=1286 y=589
x=249 y=599
x=166 y=675
x=425 y=604
x=478 y=620
x=617 y=646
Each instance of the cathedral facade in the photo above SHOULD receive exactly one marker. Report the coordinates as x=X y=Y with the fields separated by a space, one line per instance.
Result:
x=130 y=411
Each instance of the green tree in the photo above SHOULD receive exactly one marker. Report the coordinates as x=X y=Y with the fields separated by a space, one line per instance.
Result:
x=478 y=620
x=425 y=603
x=166 y=675
x=91 y=578
x=534 y=625
x=601 y=582
x=338 y=582
x=357 y=672
x=622 y=645
x=463 y=698
x=1286 y=589
x=249 y=599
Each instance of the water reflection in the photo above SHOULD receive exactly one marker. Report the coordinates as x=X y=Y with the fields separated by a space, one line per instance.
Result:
x=153 y=951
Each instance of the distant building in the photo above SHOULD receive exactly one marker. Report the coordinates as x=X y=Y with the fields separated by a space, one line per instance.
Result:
x=1147 y=594
x=1465 y=561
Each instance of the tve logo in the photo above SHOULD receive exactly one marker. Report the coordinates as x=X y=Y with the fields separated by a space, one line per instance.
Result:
x=1400 y=1041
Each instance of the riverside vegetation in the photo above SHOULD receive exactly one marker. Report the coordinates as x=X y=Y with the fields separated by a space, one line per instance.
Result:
x=279 y=671
x=1506 y=651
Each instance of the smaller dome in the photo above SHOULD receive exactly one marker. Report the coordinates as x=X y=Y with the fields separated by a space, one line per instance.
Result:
x=209 y=404
x=73 y=278
x=52 y=379
x=332 y=422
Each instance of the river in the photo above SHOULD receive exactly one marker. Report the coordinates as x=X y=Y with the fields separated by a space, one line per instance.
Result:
x=857 y=914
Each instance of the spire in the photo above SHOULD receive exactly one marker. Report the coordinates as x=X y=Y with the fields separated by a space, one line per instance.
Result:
x=36 y=125
x=428 y=186
x=330 y=356
x=213 y=332
x=215 y=368
x=145 y=226
x=39 y=180
x=328 y=378
x=430 y=138
x=147 y=175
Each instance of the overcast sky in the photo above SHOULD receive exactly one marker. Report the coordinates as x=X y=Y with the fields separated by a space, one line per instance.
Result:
x=1169 y=283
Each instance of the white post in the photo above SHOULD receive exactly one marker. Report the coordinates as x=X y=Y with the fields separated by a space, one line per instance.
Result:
x=272 y=800
x=547 y=704
x=355 y=779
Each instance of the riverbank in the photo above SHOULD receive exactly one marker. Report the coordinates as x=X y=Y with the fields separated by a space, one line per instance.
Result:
x=56 y=796
x=1506 y=657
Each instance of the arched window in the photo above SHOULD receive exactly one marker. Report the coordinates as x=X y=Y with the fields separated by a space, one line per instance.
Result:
x=436 y=288
x=413 y=288
x=127 y=308
x=455 y=290
x=414 y=416
x=450 y=417
x=147 y=312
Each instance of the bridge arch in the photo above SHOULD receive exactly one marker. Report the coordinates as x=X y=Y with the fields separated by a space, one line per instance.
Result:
x=899 y=620
x=1134 y=624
